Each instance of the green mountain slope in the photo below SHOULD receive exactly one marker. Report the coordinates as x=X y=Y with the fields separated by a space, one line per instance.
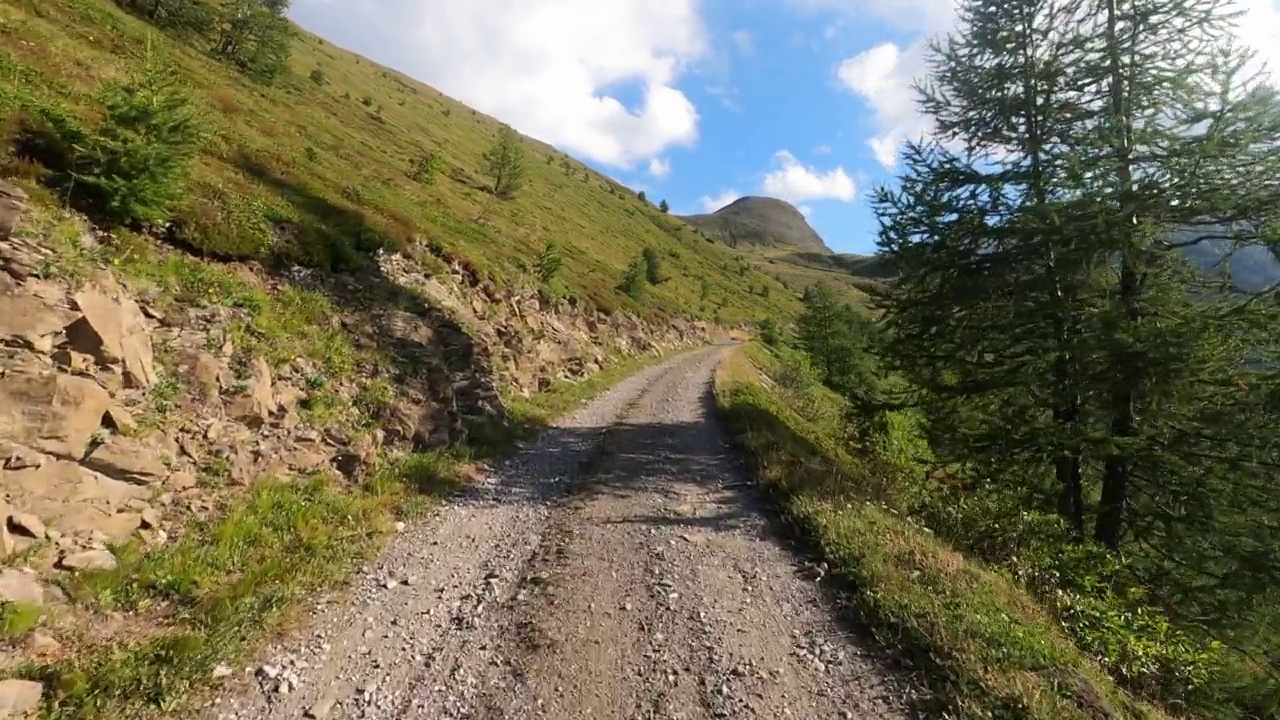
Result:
x=315 y=168
x=774 y=237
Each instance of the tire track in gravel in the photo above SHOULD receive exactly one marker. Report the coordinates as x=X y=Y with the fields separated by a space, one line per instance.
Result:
x=615 y=568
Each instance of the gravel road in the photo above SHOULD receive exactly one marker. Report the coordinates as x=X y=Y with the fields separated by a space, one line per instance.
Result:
x=614 y=568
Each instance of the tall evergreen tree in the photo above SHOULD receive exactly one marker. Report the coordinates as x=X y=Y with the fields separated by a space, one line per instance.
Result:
x=989 y=320
x=1045 y=309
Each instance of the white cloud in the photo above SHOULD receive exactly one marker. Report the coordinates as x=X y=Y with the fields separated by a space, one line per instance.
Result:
x=544 y=66
x=805 y=210
x=796 y=183
x=822 y=150
x=882 y=75
x=659 y=167
x=744 y=40
x=712 y=204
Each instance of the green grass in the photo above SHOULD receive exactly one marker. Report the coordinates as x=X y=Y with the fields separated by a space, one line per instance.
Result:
x=19 y=618
x=987 y=648
x=229 y=583
x=314 y=158
x=800 y=270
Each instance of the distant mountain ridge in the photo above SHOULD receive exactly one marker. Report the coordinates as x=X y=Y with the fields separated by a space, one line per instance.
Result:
x=760 y=221
x=1251 y=267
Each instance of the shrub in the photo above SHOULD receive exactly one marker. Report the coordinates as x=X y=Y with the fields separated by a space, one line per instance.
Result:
x=769 y=333
x=427 y=168
x=664 y=207
x=134 y=165
x=652 y=266
x=550 y=261
x=318 y=77
x=504 y=162
x=633 y=280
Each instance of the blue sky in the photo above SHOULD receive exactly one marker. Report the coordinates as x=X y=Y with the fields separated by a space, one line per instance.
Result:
x=694 y=101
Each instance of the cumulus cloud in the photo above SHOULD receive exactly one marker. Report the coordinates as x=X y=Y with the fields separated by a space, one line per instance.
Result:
x=883 y=75
x=796 y=183
x=822 y=150
x=712 y=204
x=805 y=210
x=659 y=167
x=550 y=68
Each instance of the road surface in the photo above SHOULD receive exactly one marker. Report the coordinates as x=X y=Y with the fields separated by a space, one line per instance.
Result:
x=615 y=568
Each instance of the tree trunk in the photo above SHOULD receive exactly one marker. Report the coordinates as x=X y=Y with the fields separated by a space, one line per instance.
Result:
x=1109 y=527
x=1066 y=402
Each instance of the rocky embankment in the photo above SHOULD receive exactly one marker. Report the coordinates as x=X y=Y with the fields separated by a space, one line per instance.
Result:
x=120 y=421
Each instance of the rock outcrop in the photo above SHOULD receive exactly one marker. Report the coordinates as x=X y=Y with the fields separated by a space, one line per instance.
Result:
x=118 y=424
x=532 y=341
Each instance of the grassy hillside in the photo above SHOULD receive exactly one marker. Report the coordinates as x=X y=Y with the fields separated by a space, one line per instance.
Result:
x=798 y=274
x=315 y=168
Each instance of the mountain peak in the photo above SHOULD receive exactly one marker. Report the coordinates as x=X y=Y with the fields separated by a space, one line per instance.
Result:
x=763 y=221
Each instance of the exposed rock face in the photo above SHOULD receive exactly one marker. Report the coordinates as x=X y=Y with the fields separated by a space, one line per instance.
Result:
x=113 y=330
x=51 y=411
x=535 y=342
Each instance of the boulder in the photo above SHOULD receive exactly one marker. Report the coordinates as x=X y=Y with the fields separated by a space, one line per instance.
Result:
x=20 y=586
x=51 y=411
x=27 y=525
x=28 y=320
x=259 y=402
x=129 y=460
x=12 y=202
x=114 y=330
x=72 y=361
x=19 y=698
x=88 y=560
x=208 y=372
x=182 y=481
x=96 y=521
x=119 y=419
x=43 y=645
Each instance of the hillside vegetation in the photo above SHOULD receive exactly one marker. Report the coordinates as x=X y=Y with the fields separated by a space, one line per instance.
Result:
x=1055 y=387
x=987 y=649
x=308 y=154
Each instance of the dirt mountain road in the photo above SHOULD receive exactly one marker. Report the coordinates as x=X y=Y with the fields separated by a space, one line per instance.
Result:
x=616 y=568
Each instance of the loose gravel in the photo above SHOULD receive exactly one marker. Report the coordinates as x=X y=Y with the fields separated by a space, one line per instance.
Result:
x=615 y=568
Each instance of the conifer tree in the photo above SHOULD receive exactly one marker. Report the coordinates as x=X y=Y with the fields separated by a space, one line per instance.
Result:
x=1046 y=312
